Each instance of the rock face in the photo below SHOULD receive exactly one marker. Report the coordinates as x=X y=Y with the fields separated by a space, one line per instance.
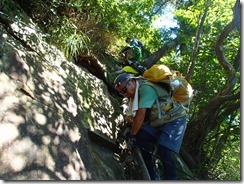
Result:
x=48 y=104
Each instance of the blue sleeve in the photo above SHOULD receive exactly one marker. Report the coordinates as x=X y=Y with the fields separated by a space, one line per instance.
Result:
x=134 y=43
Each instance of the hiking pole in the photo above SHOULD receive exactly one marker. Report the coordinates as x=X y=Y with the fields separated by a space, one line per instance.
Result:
x=141 y=162
x=156 y=156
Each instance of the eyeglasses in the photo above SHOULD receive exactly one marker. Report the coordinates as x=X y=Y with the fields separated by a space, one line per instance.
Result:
x=123 y=91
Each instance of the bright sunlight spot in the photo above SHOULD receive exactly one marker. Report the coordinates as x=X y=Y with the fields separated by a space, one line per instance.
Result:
x=166 y=19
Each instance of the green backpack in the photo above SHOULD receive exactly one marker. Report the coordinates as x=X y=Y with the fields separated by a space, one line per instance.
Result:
x=131 y=53
x=164 y=109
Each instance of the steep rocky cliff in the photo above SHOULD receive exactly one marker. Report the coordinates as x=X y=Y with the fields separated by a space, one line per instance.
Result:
x=53 y=114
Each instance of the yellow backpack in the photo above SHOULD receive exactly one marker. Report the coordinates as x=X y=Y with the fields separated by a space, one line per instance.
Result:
x=181 y=90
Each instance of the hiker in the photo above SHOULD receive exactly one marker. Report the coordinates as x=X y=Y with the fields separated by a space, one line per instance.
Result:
x=167 y=133
x=134 y=42
x=132 y=53
x=130 y=61
x=132 y=67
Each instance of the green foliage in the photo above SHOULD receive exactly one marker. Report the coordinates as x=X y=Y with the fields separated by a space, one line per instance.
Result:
x=207 y=69
x=71 y=41
x=222 y=151
x=97 y=24
x=225 y=164
x=7 y=6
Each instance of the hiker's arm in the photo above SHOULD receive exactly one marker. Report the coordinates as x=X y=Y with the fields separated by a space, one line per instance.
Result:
x=147 y=97
x=138 y=120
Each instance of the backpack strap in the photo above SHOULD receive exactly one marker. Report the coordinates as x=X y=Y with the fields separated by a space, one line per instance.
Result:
x=158 y=87
x=162 y=98
x=168 y=105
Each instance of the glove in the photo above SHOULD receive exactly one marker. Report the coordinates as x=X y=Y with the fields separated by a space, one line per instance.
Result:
x=131 y=141
x=126 y=133
x=127 y=130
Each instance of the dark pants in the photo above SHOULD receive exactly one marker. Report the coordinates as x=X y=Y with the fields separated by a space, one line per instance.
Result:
x=145 y=142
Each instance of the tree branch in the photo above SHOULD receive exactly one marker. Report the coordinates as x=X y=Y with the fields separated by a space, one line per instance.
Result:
x=229 y=97
x=160 y=6
x=191 y=67
x=231 y=109
x=220 y=52
x=153 y=58
x=237 y=15
x=219 y=133
x=237 y=60
x=219 y=48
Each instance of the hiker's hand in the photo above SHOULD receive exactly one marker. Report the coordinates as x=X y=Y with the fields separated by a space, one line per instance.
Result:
x=131 y=141
x=127 y=132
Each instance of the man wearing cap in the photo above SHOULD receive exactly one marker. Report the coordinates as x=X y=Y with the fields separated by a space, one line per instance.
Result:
x=167 y=134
